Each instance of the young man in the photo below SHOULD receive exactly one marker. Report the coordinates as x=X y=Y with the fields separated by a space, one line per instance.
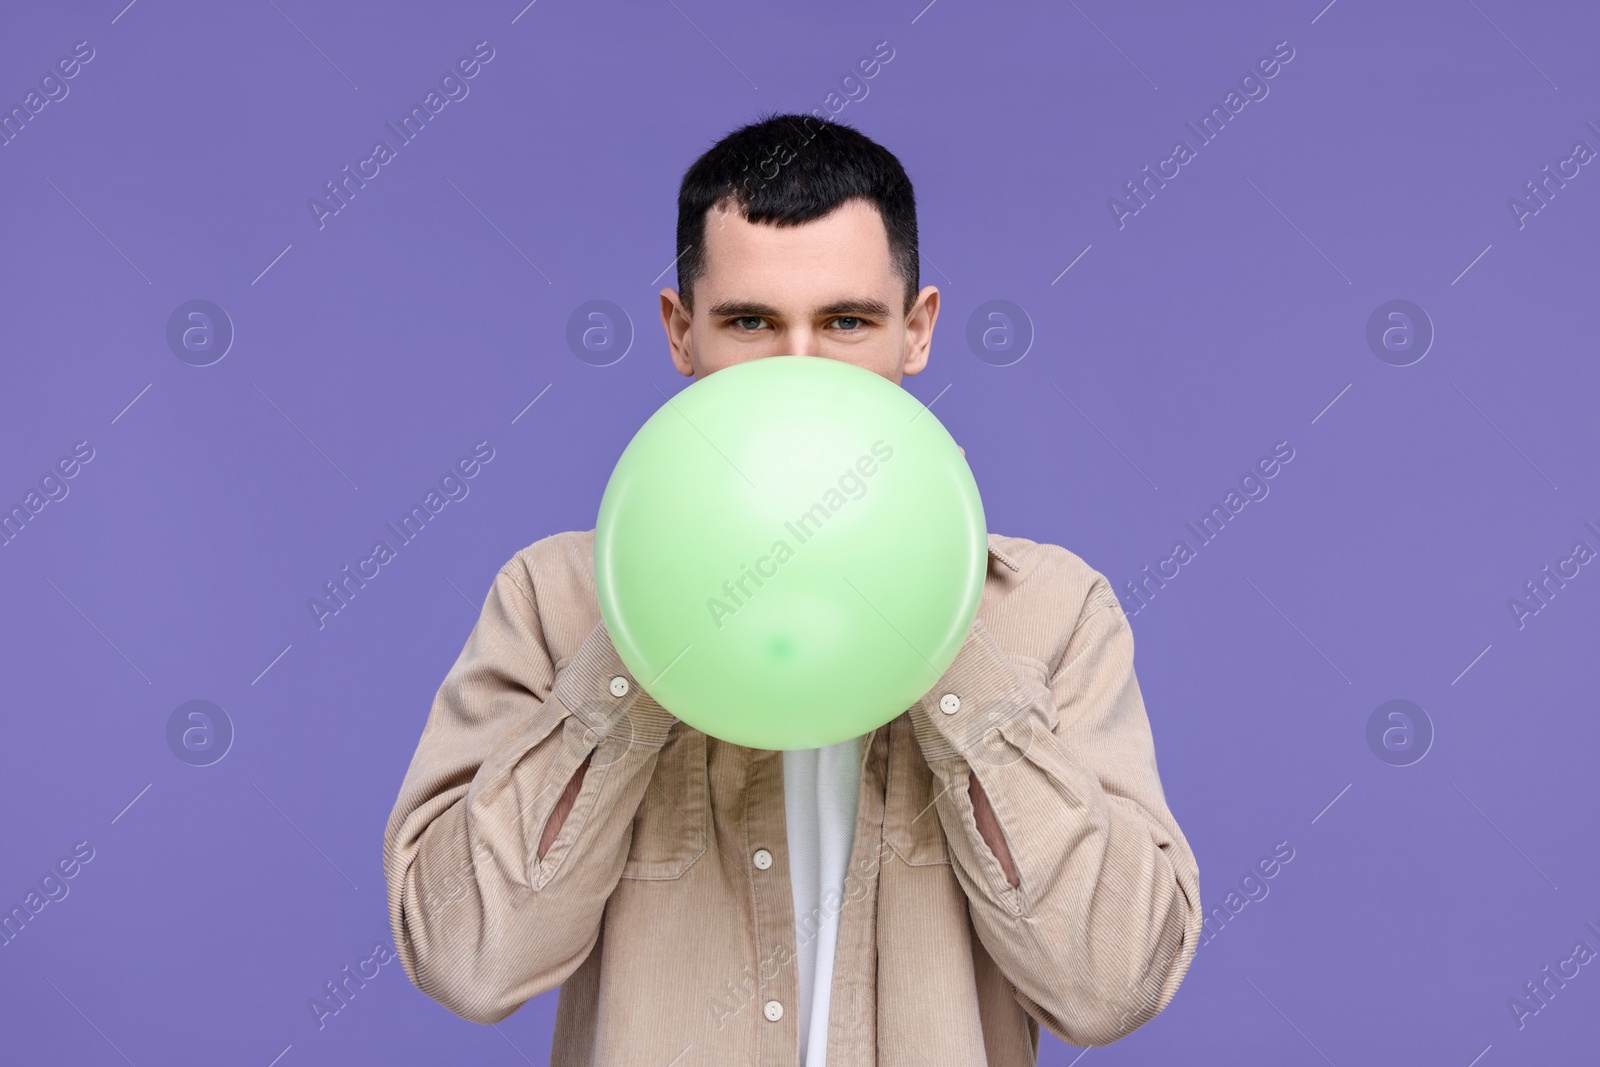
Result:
x=998 y=858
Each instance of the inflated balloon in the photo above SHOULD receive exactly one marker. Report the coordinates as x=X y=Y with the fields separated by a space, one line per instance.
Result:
x=790 y=552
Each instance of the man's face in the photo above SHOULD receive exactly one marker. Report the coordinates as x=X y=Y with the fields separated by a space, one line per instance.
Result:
x=825 y=288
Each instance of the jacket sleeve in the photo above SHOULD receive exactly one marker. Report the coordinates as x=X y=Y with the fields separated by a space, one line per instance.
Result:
x=1104 y=921
x=480 y=922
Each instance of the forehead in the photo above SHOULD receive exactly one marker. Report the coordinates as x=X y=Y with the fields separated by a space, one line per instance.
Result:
x=848 y=247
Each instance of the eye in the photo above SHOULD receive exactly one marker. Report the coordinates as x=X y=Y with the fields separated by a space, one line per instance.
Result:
x=743 y=319
x=842 y=320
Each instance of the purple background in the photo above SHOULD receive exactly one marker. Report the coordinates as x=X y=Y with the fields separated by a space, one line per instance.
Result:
x=430 y=311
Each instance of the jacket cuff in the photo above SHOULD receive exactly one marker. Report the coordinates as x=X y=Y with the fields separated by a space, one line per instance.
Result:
x=978 y=694
x=585 y=686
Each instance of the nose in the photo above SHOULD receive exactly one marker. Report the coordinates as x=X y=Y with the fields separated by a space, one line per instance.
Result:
x=804 y=341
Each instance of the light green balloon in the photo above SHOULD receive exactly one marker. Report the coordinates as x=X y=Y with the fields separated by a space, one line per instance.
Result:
x=790 y=552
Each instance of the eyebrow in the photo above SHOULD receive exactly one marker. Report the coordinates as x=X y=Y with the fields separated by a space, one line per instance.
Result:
x=864 y=306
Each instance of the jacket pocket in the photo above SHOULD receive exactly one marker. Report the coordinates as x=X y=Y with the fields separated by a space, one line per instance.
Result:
x=671 y=826
x=910 y=822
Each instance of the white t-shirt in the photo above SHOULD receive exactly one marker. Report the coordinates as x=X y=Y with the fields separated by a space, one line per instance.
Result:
x=820 y=786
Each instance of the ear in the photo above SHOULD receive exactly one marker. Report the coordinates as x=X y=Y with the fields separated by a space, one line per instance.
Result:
x=675 y=319
x=919 y=329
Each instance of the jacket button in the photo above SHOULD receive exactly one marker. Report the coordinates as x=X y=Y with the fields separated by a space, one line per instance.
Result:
x=762 y=859
x=773 y=1011
x=619 y=686
x=949 y=703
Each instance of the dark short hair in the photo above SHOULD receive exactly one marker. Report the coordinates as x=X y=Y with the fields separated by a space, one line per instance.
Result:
x=790 y=169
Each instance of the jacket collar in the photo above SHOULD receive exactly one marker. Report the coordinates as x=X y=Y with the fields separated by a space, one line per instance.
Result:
x=996 y=553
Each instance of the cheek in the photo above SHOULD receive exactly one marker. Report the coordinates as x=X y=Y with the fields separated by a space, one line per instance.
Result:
x=718 y=352
x=882 y=355
x=886 y=342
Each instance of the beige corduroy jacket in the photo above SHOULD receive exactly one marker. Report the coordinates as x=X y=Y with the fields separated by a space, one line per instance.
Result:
x=672 y=946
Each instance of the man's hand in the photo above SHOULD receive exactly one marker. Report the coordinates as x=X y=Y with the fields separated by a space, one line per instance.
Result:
x=569 y=796
x=989 y=827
